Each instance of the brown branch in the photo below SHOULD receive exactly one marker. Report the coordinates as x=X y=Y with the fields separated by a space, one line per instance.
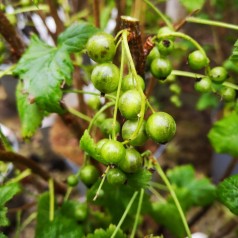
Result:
x=96 y=13
x=19 y=160
x=53 y=11
x=135 y=42
x=9 y=33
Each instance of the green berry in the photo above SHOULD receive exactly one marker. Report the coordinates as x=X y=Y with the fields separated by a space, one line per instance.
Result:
x=161 y=68
x=88 y=174
x=154 y=53
x=197 y=60
x=218 y=74
x=105 y=77
x=116 y=177
x=165 y=31
x=81 y=212
x=204 y=85
x=176 y=100
x=94 y=102
x=129 y=82
x=72 y=180
x=228 y=94
x=129 y=128
x=101 y=47
x=165 y=46
x=175 y=88
x=132 y=161
x=130 y=104
x=107 y=127
x=113 y=152
x=160 y=127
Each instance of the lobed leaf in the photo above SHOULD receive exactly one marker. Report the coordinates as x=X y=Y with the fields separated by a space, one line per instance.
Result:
x=234 y=55
x=227 y=193
x=224 y=135
x=44 y=69
x=30 y=114
x=106 y=233
x=200 y=192
x=6 y=193
x=63 y=225
x=75 y=37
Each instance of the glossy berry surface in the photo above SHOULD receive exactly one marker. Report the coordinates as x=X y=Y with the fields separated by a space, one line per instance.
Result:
x=107 y=127
x=165 y=46
x=89 y=174
x=129 y=128
x=113 y=152
x=161 y=68
x=165 y=31
x=204 y=85
x=154 y=53
x=197 y=60
x=132 y=161
x=160 y=127
x=228 y=94
x=218 y=74
x=101 y=47
x=72 y=180
x=116 y=176
x=129 y=82
x=130 y=104
x=105 y=77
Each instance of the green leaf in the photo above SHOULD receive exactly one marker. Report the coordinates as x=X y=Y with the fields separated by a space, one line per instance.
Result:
x=88 y=145
x=63 y=225
x=2 y=235
x=44 y=69
x=181 y=175
x=207 y=100
x=227 y=192
x=30 y=114
x=234 y=55
x=200 y=192
x=3 y=216
x=192 y=5
x=224 y=135
x=101 y=233
x=167 y=215
x=140 y=179
x=6 y=193
x=75 y=37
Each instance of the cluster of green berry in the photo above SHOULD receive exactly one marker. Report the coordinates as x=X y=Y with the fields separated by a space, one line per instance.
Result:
x=122 y=157
x=161 y=68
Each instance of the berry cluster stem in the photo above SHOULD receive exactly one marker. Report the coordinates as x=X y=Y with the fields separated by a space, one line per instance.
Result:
x=211 y=23
x=102 y=182
x=142 y=191
x=177 y=204
x=118 y=94
x=160 y=14
x=125 y=214
x=52 y=200
x=134 y=74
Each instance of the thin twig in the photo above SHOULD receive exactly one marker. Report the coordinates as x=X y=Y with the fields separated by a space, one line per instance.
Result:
x=18 y=159
x=9 y=33
x=96 y=13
